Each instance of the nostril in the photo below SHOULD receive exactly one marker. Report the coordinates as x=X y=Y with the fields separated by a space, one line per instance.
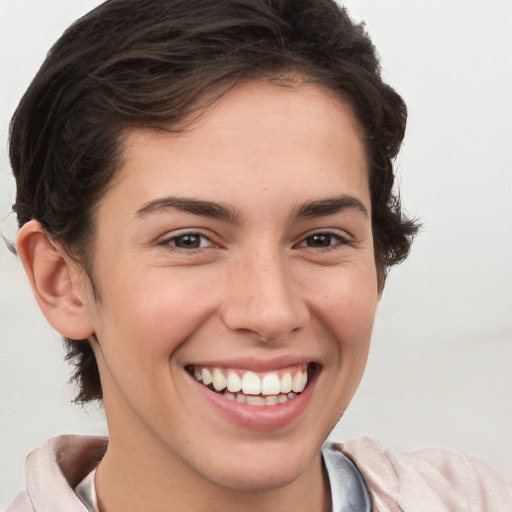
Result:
x=262 y=297
x=268 y=324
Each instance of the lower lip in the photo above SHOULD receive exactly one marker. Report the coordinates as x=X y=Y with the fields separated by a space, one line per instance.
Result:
x=254 y=417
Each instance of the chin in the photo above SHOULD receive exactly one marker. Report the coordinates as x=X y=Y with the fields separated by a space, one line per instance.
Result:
x=259 y=468
x=257 y=477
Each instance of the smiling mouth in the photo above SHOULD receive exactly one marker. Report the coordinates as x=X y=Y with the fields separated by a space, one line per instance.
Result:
x=254 y=388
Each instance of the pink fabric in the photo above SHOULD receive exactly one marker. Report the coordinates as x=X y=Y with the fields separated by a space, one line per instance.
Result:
x=54 y=469
x=427 y=480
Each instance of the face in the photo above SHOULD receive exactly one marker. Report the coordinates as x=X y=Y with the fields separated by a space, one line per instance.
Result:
x=237 y=287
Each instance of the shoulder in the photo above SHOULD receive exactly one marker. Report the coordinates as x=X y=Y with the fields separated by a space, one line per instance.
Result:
x=53 y=470
x=22 y=503
x=440 y=479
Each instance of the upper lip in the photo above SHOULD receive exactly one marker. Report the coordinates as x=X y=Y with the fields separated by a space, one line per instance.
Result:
x=255 y=364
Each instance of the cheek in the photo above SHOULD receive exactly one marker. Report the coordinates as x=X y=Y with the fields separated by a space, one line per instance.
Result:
x=144 y=322
x=346 y=312
x=349 y=301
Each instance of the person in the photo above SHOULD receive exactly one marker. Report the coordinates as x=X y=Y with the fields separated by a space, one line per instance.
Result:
x=207 y=215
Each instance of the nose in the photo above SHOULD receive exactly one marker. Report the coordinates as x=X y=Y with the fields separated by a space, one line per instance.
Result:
x=264 y=299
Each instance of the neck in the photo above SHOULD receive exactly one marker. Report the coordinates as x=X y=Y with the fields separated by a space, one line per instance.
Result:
x=140 y=478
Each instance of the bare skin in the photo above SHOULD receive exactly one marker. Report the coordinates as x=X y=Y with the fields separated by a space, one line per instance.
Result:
x=267 y=262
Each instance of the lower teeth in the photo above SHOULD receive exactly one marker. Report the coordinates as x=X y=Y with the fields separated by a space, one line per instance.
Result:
x=256 y=400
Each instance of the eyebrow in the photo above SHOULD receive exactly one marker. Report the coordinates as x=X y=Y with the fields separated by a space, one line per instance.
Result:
x=194 y=206
x=317 y=208
x=330 y=206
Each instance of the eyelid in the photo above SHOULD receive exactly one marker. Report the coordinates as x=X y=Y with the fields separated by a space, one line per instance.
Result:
x=166 y=239
x=343 y=237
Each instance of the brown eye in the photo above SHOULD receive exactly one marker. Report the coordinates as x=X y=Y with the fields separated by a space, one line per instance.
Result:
x=190 y=241
x=319 y=240
x=323 y=241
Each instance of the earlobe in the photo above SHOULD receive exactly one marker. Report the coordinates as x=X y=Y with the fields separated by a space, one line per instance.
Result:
x=59 y=296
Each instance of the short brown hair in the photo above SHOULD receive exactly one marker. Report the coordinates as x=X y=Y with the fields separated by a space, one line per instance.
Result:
x=148 y=63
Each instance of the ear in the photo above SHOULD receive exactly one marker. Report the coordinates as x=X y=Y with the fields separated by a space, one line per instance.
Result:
x=56 y=283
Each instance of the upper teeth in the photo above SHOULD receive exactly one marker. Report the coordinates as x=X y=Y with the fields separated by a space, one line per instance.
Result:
x=251 y=383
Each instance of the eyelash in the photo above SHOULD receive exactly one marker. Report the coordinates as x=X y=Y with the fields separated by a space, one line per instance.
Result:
x=338 y=239
x=192 y=234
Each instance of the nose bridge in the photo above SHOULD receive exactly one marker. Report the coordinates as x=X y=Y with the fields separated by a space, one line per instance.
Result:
x=264 y=298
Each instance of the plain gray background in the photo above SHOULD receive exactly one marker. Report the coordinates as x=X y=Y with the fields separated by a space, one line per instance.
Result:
x=440 y=369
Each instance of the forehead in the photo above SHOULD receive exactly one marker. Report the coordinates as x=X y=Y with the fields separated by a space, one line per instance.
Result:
x=257 y=135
